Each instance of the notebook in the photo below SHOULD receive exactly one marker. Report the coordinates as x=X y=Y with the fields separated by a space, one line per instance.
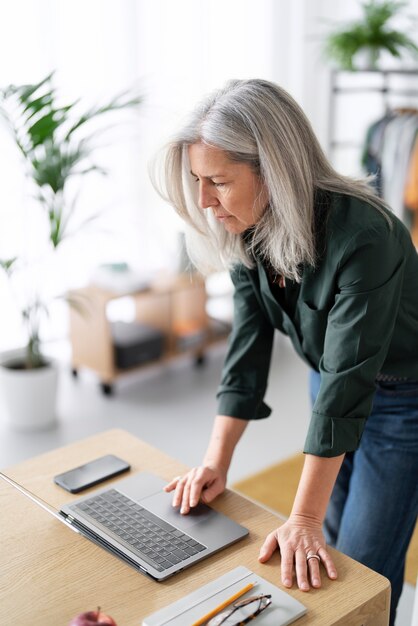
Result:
x=135 y=521
x=284 y=609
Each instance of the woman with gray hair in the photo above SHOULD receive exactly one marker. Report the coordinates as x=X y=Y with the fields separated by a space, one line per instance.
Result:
x=319 y=257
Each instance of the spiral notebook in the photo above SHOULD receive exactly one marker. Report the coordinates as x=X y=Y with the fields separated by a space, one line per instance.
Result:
x=284 y=609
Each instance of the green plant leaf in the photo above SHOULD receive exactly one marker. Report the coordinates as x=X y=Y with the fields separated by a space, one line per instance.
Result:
x=377 y=14
x=33 y=107
x=57 y=164
x=115 y=104
x=371 y=32
x=44 y=128
x=24 y=92
x=45 y=135
x=8 y=264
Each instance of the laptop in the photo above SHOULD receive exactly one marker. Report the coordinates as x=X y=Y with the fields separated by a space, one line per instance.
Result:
x=135 y=521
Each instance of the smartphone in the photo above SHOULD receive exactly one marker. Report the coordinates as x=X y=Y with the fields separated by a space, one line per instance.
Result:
x=91 y=473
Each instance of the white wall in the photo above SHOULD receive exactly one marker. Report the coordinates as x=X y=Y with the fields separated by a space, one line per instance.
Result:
x=173 y=51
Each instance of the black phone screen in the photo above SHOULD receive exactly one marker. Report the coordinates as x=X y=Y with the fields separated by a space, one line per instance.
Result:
x=91 y=473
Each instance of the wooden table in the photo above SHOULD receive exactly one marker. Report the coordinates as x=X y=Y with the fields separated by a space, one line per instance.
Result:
x=48 y=574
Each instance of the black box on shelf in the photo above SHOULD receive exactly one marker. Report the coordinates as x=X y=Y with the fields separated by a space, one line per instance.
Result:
x=136 y=343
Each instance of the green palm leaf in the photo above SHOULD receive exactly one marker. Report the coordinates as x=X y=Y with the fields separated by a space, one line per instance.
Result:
x=8 y=264
x=53 y=152
x=372 y=32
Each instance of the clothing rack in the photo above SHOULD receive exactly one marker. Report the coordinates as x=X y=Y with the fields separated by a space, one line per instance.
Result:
x=386 y=89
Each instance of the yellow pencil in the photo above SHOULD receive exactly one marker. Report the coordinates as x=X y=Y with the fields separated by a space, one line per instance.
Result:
x=223 y=605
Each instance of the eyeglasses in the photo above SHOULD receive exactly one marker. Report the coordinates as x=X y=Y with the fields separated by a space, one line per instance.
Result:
x=241 y=612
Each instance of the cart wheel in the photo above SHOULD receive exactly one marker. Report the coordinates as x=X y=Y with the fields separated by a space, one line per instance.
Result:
x=200 y=360
x=107 y=390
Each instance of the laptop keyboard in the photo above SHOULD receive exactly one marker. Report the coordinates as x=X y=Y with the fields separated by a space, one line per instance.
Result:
x=154 y=540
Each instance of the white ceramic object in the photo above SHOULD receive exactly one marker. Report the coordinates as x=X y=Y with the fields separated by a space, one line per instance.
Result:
x=29 y=397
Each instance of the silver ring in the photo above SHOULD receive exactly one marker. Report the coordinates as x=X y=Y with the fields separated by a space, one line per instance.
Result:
x=313 y=556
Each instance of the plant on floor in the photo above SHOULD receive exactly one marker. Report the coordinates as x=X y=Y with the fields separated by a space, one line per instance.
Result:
x=372 y=34
x=54 y=149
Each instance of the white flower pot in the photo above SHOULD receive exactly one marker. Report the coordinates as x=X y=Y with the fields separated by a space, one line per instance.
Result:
x=366 y=59
x=29 y=396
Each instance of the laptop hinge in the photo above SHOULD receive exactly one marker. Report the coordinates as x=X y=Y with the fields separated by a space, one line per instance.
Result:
x=100 y=541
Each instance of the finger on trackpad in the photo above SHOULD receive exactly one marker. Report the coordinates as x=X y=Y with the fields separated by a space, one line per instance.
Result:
x=161 y=506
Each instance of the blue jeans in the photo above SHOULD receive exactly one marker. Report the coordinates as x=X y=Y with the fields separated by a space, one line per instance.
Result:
x=374 y=504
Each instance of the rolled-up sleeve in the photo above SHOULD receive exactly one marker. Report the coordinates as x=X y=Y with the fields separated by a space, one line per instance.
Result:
x=246 y=368
x=358 y=334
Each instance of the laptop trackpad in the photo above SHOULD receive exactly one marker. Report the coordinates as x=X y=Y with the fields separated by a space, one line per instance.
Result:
x=160 y=505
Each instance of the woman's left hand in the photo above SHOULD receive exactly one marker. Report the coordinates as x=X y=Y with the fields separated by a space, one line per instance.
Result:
x=298 y=538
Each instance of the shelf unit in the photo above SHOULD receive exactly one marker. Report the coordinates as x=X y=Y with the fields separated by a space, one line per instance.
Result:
x=386 y=88
x=168 y=305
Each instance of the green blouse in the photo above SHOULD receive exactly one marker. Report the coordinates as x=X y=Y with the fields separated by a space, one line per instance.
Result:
x=355 y=315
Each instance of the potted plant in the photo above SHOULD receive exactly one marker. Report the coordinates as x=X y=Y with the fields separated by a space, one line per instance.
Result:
x=369 y=37
x=54 y=149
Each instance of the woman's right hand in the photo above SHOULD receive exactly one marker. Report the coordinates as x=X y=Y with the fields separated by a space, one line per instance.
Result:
x=208 y=480
x=200 y=483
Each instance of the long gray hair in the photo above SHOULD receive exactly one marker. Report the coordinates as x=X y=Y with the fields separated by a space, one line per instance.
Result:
x=255 y=122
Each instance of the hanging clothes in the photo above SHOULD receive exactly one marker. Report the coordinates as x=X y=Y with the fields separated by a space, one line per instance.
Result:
x=411 y=186
x=372 y=152
x=399 y=139
x=411 y=192
x=387 y=155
